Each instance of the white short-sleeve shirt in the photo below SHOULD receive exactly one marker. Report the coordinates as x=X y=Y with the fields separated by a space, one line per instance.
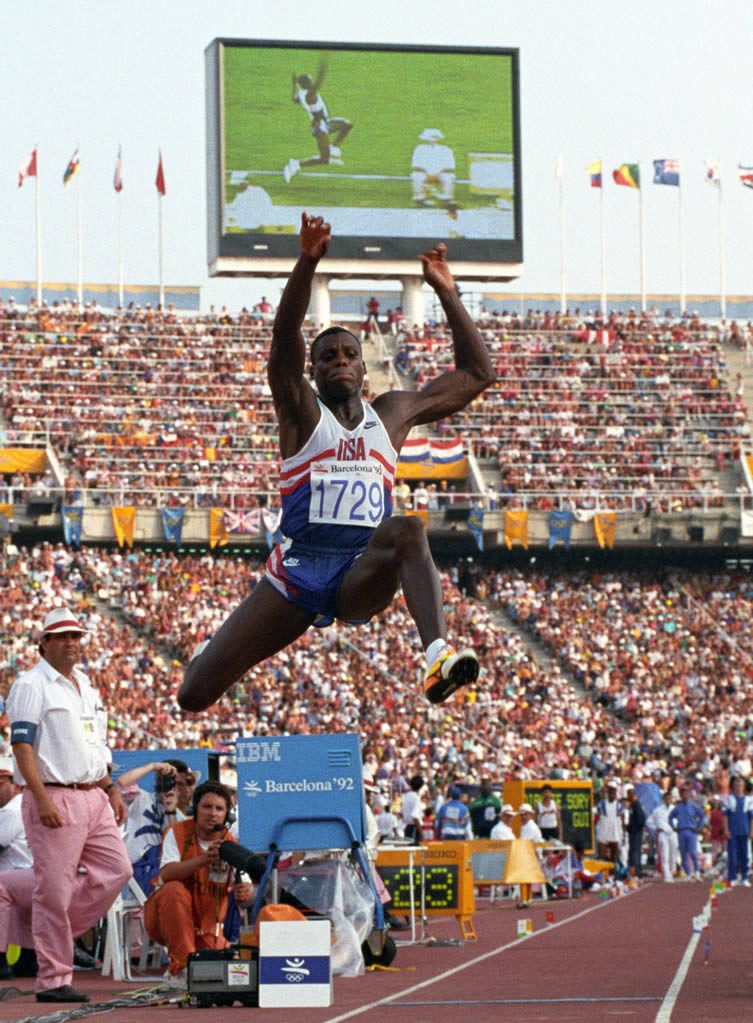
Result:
x=66 y=727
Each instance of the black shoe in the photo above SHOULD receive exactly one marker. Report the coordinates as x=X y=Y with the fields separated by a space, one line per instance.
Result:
x=66 y=993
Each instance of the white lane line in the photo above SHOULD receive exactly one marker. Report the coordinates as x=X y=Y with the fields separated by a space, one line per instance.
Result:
x=664 y=1014
x=473 y=962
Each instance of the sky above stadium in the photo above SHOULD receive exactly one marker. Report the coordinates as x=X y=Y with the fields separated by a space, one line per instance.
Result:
x=630 y=84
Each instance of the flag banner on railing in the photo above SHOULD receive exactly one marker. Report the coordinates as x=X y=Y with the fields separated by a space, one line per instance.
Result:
x=605 y=526
x=246 y=522
x=746 y=523
x=172 y=524
x=476 y=526
x=447 y=451
x=31 y=460
x=218 y=534
x=415 y=449
x=73 y=521
x=560 y=527
x=271 y=519
x=516 y=528
x=124 y=520
x=422 y=457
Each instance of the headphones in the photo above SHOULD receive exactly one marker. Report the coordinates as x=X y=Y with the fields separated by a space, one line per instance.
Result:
x=218 y=789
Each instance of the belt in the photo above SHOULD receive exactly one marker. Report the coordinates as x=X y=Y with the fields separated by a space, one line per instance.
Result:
x=83 y=785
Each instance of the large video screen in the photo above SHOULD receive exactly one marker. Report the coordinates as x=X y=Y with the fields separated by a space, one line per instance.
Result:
x=397 y=148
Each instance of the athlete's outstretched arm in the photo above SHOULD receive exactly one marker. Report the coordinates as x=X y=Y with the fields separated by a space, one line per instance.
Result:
x=292 y=394
x=287 y=355
x=452 y=391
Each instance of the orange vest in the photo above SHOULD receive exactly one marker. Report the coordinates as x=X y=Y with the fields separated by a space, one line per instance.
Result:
x=209 y=898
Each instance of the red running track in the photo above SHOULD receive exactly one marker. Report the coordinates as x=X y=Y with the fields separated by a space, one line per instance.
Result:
x=631 y=958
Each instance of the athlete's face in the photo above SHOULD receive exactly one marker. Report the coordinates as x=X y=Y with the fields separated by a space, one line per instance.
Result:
x=338 y=365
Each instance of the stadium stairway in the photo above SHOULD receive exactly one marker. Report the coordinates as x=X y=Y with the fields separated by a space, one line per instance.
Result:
x=738 y=364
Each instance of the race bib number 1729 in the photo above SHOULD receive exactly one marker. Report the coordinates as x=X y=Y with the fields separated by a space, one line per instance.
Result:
x=347 y=495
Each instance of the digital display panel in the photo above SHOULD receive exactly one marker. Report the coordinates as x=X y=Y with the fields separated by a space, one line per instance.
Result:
x=440 y=887
x=397 y=147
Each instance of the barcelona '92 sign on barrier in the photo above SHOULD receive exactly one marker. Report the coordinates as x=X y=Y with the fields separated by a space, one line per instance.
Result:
x=311 y=781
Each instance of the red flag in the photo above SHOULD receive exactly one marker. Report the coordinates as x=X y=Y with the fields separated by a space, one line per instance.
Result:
x=160 y=182
x=28 y=168
x=117 y=181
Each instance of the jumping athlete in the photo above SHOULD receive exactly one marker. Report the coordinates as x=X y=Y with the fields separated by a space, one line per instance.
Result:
x=343 y=555
x=328 y=132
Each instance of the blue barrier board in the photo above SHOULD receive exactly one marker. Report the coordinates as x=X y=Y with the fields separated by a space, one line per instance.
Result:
x=303 y=778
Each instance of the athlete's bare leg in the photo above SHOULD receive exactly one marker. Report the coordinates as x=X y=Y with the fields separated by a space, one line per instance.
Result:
x=397 y=555
x=260 y=626
x=339 y=128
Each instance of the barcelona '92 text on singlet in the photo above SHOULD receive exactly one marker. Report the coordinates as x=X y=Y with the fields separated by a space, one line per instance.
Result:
x=337 y=489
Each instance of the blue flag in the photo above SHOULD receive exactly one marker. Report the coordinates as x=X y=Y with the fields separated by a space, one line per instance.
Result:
x=667 y=172
x=172 y=524
x=560 y=524
x=73 y=520
x=476 y=526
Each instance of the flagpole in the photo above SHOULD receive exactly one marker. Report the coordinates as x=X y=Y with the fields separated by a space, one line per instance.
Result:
x=79 y=245
x=722 y=266
x=38 y=230
x=119 y=196
x=563 y=275
x=603 y=243
x=641 y=242
x=681 y=237
x=159 y=235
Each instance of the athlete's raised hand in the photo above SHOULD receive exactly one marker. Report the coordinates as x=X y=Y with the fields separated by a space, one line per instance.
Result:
x=436 y=269
x=315 y=236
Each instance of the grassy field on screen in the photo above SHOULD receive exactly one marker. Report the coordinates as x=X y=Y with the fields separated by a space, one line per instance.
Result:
x=389 y=97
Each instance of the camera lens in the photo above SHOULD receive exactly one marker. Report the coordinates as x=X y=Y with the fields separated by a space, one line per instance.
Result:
x=164 y=783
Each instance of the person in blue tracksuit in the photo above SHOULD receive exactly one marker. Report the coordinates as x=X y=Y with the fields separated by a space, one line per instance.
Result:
x=738 y=829
x=453 y=821
x=687 y=818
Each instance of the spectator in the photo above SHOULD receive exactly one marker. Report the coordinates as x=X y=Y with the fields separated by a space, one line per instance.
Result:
x=610 y=816
x=186 y=912
x=635 y=824
x=453 y=820
x=686 y=817
x=528 y=826
x=738 y=815
x=548 y=816
x=412 y=811
x=71 y=808
x=666 y=837
x=485 y=810
x=149 y=814
x=502 y=830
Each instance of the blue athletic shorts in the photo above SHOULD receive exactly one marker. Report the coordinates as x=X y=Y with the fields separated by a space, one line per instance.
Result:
x=310 y=578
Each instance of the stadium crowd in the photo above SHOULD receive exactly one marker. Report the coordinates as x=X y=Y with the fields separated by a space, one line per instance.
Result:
x=160 y=409
x=638 y=410
x=644 y=675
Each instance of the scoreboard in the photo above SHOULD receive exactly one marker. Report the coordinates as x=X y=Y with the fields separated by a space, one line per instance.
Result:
x=446 y=870
x=575 y=800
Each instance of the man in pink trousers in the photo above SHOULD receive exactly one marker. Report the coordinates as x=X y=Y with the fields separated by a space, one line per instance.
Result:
x=71 y=808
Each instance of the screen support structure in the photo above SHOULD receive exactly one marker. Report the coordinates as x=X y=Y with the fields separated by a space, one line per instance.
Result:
x=320 y=306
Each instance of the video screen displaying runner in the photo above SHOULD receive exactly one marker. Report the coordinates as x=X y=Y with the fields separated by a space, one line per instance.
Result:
x=395 y=147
